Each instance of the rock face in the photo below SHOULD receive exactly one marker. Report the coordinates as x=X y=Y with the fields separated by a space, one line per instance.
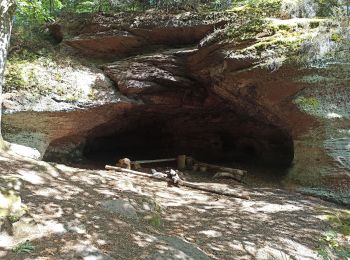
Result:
x=123 y=34
x=194 y=100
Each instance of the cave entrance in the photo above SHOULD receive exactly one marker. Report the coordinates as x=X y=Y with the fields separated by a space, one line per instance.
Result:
x=203 y=135
x=142 y=143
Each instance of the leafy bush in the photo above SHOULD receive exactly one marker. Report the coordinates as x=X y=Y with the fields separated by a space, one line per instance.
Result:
x=25 y=247
x=14 y=80
x=266 y=7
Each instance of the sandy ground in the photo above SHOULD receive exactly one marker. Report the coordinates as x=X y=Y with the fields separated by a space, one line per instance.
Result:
x=76 y=214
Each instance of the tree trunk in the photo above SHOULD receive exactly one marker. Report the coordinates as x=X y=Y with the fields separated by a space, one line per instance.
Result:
x=7 y=10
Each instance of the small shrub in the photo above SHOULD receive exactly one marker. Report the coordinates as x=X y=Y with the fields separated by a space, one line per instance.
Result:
x=336 y=37
x=156 y=220
x=334 y=242
x=308 y=101
x=341 y=223
x=25 y=247
x=13 y=218
x=13 y=78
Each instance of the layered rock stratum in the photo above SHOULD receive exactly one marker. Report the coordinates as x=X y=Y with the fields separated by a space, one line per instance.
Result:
x=201 y=84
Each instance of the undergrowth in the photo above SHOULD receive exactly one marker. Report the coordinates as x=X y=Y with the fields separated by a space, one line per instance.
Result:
x=335 y=242
x=25 y=247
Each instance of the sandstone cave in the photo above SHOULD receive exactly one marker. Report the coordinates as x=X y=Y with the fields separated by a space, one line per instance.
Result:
x=215 y=136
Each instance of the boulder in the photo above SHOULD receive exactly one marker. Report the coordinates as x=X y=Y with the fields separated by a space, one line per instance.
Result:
x=120 y=207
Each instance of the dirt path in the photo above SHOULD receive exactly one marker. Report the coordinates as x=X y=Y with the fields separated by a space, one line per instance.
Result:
x=82 y=214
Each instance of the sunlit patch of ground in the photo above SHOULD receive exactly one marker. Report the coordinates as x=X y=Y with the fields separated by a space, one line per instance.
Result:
x=77 y=214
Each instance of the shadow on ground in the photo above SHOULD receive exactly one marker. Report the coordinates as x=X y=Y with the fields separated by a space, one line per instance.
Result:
x=89 y=214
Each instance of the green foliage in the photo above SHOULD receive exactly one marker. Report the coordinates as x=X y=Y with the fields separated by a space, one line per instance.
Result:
x=25 y=247
x=155 y=218
x=307 y=101
x=252 y=23
x=36 y=11
x=296 y=8
x=266 y=7
x=341 y=223
x=13 y=78
x=13 y=218
x=332 y=242
x=329 y=245
x=336 y=37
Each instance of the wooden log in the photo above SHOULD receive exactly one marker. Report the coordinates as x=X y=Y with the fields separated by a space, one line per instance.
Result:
x=216 y=190
x=224 y=175
x=203 y=168
x=189 y=163
x=124 y=163
x=181 y=162
x=136 y=166
x=236 y=173
x=109 y=167
x=154 y=161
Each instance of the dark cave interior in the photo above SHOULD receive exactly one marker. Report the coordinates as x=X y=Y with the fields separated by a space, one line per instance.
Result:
x=204 y=136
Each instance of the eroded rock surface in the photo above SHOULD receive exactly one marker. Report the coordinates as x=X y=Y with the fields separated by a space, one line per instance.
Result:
x=123 y=34
x=214 y=100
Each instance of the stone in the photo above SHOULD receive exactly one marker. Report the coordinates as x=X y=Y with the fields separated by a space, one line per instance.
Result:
x=120 y=207
x=25 y=151
x=176 y=248
x=89 y=252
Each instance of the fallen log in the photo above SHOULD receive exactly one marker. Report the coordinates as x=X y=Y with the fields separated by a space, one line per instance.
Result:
x=216 y=190
x=236 y=173
x=181 y=162
x=224 y=175
x=154 y=161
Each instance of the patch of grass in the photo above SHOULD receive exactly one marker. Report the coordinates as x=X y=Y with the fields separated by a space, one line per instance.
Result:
x=314 y=24
x=58 y=76
x=92 y=94
x=329 y=245
x=72 y=99
x=60 y=92
x=248 y=29
x=334 y=242
x=13 y=218
x=336 y=37
x=341 y=222
x=307 y=101
x=155 y=219
x=14 y=79
x=25 y=247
